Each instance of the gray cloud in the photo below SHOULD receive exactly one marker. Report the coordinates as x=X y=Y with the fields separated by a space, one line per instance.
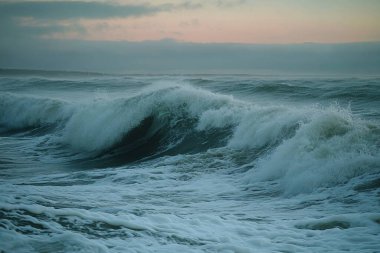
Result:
x=47 y=14
x=78 y=9
x=229 y=3
x=190 y=5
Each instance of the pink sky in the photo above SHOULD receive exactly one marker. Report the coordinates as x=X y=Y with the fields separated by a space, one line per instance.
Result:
x=286 y=21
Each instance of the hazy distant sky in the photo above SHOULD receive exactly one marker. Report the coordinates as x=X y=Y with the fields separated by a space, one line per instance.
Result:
x=39 y=33
x=241 y=21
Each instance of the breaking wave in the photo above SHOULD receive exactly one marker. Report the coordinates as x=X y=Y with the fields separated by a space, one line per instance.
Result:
x=300 y=148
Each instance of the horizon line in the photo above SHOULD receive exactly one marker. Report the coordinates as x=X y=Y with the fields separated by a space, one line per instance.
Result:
x=172 y=40
x=67 y=72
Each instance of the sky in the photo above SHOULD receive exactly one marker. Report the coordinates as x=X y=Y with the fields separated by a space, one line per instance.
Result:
x=159 y=35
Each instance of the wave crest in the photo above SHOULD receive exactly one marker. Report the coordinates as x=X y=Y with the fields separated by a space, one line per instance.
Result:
x=329 y=148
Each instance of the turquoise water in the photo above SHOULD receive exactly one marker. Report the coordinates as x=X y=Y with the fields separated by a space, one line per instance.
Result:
x=102 y=163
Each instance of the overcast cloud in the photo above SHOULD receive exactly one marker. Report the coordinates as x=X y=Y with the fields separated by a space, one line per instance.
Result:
x=77 y=9
x=25 y=27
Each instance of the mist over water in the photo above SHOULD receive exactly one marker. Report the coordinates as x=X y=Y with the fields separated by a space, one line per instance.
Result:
x=213 y=163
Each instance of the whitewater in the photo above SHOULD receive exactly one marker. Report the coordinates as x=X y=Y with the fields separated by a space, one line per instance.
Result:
x=193 y=163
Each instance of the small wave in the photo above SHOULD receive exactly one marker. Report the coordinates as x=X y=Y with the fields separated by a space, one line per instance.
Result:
x=346 y=221
x=25 y=112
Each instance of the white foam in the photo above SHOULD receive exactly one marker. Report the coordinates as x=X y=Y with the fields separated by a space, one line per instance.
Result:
x=329 y=148
x=61 y=242
x=146 y=208
x=262 y=126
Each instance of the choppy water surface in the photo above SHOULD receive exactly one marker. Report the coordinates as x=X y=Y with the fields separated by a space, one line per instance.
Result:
x=189 y=164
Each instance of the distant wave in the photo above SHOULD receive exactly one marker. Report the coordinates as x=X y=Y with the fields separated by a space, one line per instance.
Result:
x=55 y=73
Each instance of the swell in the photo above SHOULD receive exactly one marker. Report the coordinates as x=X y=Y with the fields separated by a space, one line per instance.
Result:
x=344 y=90
x=301 y=148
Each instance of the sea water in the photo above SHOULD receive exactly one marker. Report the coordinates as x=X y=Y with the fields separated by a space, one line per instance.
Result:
x=197 y=163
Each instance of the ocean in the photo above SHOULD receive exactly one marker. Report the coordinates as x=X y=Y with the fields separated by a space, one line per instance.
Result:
x=188 y=163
